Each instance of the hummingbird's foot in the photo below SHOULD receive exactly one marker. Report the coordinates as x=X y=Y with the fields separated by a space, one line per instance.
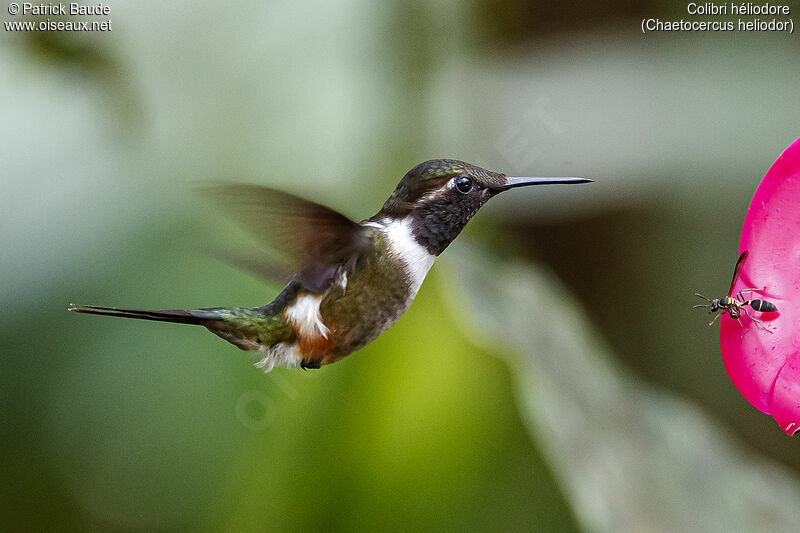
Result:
x=305 y=364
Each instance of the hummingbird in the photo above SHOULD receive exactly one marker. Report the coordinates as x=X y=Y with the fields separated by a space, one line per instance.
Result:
x=352 y=280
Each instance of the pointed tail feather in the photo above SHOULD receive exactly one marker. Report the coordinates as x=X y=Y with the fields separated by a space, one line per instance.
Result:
x=179 y=316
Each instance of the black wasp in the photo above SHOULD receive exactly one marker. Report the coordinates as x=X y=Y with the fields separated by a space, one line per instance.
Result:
x=735 y=306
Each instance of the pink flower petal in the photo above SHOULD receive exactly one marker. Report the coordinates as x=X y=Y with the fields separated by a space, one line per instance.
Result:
x=764 y=366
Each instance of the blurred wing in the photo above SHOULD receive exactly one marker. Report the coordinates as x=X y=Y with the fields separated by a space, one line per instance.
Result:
x=314 y=239
x=256 y=263
x=738 y=270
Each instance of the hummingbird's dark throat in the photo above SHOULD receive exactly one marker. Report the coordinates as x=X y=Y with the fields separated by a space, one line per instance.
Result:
x=436 y=224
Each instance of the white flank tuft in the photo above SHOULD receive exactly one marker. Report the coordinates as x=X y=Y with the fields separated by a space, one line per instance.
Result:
x=403 y=245
x=304 y=315
x=280 y=354
x=341 y=280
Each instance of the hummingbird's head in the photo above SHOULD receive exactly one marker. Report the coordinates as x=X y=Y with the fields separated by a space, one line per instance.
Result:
x=440 y=196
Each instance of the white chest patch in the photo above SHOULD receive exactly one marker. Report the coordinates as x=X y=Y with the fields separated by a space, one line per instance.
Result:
x=304 y=315
x=403 y=245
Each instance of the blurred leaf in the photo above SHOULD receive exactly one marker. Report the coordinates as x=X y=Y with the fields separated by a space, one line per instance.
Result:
x=629 y=456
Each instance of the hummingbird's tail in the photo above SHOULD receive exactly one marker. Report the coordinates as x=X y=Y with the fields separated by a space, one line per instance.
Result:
x=199 y=317
x=264 y=328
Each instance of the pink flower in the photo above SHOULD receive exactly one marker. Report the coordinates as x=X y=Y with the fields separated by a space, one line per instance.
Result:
x=765 y=366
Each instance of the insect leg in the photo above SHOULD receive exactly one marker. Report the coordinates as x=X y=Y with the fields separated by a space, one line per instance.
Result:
x=757 y=321
x=715 y=318
x=741 y=296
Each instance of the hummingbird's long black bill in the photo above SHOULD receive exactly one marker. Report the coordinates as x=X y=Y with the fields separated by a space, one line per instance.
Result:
x=523 y=182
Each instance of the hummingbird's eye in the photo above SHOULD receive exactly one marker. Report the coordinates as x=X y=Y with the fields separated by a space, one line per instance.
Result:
x=463 y=184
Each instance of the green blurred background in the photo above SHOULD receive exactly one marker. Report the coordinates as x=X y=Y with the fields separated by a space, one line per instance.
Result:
x=598 y=402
